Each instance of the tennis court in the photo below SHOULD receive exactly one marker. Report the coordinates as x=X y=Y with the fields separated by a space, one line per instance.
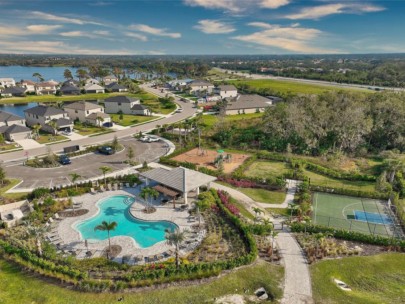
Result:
x=365 y=215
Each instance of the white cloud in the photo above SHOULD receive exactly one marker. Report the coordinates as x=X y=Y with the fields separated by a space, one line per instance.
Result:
x=237 y=6
x=292 y=39
x=51 y=17
x=42 y=28
x=317 y=12
x=75 y=34
x=102 y=33
x=214 y=27
x=136 y=36
x=153 y=30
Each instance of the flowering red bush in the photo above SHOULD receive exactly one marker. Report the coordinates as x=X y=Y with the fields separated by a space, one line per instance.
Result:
x=207 y=108
x=224 y=197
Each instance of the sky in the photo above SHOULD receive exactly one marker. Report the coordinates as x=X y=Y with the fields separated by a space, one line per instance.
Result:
x=201 y=27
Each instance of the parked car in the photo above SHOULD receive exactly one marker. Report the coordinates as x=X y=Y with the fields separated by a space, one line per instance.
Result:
x=64 y=159
x=144 y=139
x=67 y=133
x=107 y=150
x=153 y=139
x=179 y=110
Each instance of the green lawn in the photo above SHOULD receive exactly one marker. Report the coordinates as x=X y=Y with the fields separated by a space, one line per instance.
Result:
x=264 y=169
x=211 y=120
x=292 y=87
x=264 y=196
x=87 y=130
x=129 y=120
x=17 y=287
x=374 y=280
x=14 y=196
x=49 y=139
x=280 y=211
x=8 y=147
x=245 y=212
x=322 y=180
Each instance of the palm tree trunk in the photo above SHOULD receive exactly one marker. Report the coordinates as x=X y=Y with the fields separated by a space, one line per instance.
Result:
x=109 y=244
x=177 y=256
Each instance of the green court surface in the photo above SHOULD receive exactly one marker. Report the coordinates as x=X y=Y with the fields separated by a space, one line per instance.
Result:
x=352 y=213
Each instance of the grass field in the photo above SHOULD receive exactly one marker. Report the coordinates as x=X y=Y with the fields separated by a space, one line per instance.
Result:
x=7 y=147
x=264 y=196
x=16 y=196
x=264 y=169
x=49 y=139
x=325 y=181
x=374 y=280
x=243 y=210
x=211 y=120
x=129 y=120
x=17 y=287
x=87 y=130
x=279 y=211
x=338 y=211
x=291 y=87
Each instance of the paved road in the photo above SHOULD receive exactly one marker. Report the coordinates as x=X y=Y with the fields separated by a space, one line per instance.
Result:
x=87 y=165
x=188 y=111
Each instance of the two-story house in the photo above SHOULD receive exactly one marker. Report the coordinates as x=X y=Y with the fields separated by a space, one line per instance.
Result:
x=115 y=87
x=43 y=115
x=45 y=88
x=13 y=91
x=226 y=91
x=12 y=127
x=9 y=119
x=109 y=79
x=87 y=112
x=29 y=85
x=92 y=81
x=7 y=82
x=125 y=105
x=93 y=88
x=200 y=87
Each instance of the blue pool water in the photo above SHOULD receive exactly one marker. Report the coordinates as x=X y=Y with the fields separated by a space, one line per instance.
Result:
x=375 y=218
x=116 y=208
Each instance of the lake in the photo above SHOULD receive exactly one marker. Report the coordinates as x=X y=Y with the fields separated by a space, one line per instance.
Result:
x=23 y=72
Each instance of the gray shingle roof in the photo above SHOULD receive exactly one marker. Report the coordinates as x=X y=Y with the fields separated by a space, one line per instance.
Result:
x=180 y=178
x=121 y=99
x=98 y=114
x=227 y=87
x=248 y=102
x=14 y=90
x=200 y=83
x=62 y=122
x=44 y=111
x=115 y=86
x=5 y=117
x=13 y=129
x=82 y=105
x=139 y=107
x=69 y=88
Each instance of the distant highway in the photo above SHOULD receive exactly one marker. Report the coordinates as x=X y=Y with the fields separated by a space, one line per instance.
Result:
x=310 y=81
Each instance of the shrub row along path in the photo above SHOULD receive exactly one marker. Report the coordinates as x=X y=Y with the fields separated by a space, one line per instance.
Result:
x=289 y=199
x=297 y=282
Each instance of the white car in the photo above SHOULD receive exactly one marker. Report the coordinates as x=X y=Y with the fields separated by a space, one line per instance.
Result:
x=153 y=139
x=179 y=110
x=144 y=139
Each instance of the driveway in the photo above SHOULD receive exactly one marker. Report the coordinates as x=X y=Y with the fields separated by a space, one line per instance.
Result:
x=27 y=144
x=87 y=165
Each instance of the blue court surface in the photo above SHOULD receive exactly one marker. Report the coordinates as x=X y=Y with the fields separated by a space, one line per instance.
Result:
x=375 y=218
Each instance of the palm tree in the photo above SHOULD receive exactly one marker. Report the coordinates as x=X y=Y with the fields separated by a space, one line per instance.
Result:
x=75 y=177
x=257 y=211
x=53 y=125
x=36 y=129
x=81 y=74
x=147 y=193
x=37 y=232
x=273 y=235
x=105 y=170
x=38 y=77
x=67 y=74
x=100 y=121
x=176 y=238
x=393 y=166
x=110 y=226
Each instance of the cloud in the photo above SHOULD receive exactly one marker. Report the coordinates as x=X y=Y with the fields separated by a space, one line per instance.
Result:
x=214 y=27
x=136 y=36
x=42 y=28
x=51 y=17
x=237 y=6
x=91 y=34
x=292 y=39
x=153 y=30
x=318 y=12
x=102 y=33
x=101 y=3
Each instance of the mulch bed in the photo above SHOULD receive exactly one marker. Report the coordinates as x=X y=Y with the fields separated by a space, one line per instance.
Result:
x=73 y=213
x=149 y=210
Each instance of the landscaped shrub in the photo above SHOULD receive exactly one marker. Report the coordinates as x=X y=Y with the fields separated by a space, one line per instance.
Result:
x=350 y=192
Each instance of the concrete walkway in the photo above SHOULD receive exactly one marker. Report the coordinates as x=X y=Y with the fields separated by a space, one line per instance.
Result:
x=297 y=284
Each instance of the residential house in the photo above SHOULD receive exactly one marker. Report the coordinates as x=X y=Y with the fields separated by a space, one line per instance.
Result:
x=200 y=87
x=71 y=82
x=15 y=132
x=92 y=81
x=13 y=91
x=126 y=105
x=68 y=89
x=245 y=104
x=179 y=84
x=29 y=85
x=46 y=88
x=275 y=99
x=109 y=79
x=9 y=119
x=226 y=91
x=94 y=88
x=115 y=87
x=7 y=82
x=87 y=112
x=43 y=115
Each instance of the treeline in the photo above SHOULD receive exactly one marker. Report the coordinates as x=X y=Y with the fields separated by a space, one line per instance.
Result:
x=331 y=122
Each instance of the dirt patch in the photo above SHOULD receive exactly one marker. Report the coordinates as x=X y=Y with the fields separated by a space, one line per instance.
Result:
x=207 y=159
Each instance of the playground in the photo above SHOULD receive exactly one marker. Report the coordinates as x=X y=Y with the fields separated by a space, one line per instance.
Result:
x=213 y=159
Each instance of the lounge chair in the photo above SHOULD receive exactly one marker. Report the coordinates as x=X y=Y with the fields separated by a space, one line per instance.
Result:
x=92 y=191
x=126 y=258
x=102 y=189
x=147 y=259
x=138 y=258
x=109 y=187
x=57 y=217
x=50 y=220
x=127 y=185
x=115 y=186
x=121 y=185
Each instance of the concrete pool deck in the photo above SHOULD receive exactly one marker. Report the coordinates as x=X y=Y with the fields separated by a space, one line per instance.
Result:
x=72 y=241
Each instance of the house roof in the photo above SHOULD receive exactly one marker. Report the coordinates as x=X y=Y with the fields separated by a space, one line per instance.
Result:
x=94 y=116
x=5 y=117
x=13 y=90
x=115 y=86
x=69 y=88
x=181 y=179
x=28 y=82
x=252 y=101
x=139 y=107
x=121 y=99
x=92 y=80
x=110 y=77
x=200 y=83
x=91 y=86
x=63 y=122
x=13 y=129
x=7 y=79
x=44 y=111
x=227 y=87
x=83 y=106
x=71 y=82
x=46 y=84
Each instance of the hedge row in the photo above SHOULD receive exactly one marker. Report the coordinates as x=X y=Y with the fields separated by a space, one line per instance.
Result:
x=350 y=235
x=349 y=192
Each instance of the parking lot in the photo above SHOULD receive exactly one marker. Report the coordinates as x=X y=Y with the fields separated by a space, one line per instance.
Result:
x=87 y=165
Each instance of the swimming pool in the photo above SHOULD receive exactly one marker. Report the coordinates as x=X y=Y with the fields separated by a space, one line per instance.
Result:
x=116 y=208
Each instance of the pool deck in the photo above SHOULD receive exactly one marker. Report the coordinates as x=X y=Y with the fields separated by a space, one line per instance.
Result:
x=73 y=242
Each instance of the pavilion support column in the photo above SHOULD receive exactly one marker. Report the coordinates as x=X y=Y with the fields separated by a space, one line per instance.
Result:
x=147 y=181
x=198 y=191
x=185 y=198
